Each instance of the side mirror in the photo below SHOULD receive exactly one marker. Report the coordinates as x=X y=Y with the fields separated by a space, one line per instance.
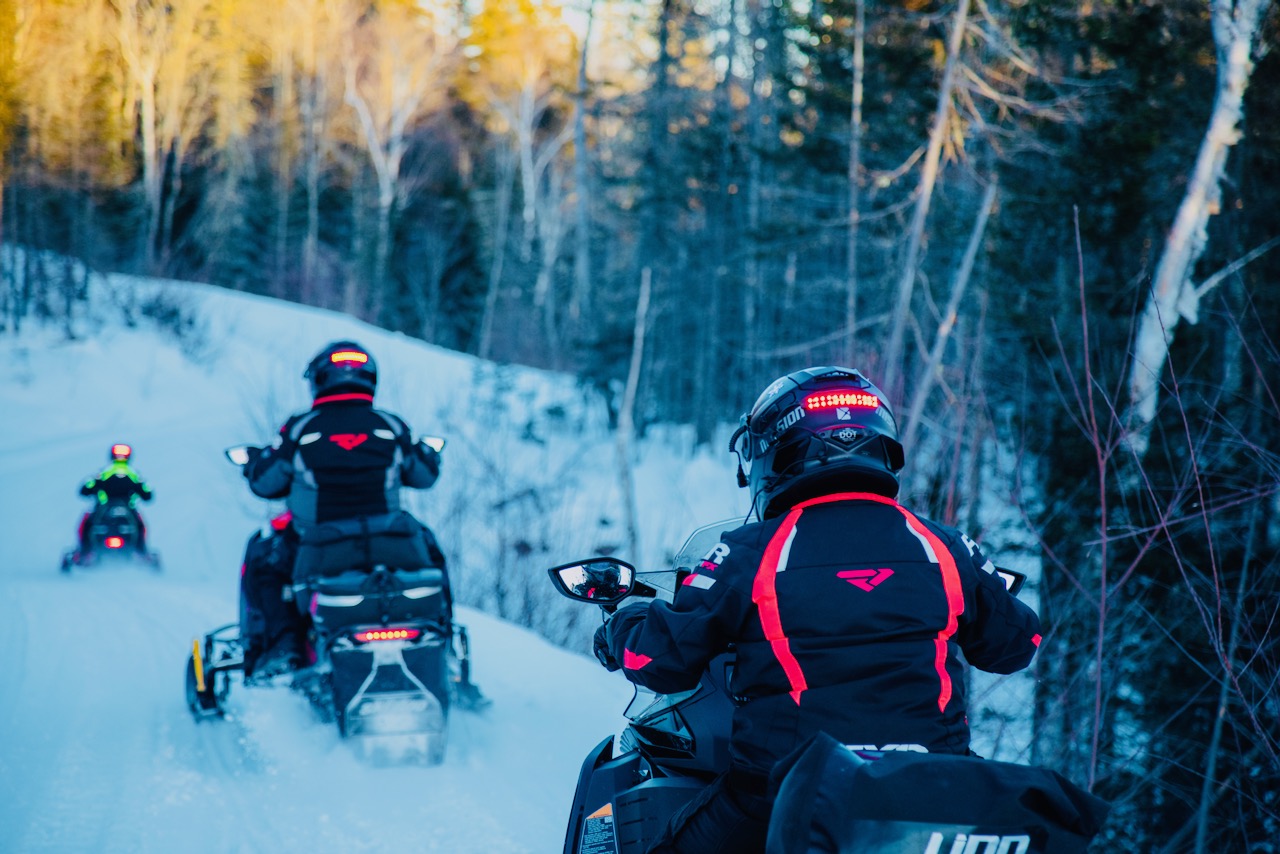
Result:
x=1013 y=581
x=435 y=443
x=238 y=454
x=600 y=581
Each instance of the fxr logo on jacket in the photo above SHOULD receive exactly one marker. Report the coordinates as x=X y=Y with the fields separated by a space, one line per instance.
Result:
x=867 y=579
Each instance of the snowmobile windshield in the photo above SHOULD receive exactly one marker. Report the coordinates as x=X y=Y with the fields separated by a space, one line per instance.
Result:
x=687 y=557
x=646 y=704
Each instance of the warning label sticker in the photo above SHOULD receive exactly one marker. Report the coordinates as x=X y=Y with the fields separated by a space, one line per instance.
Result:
x=598 y=836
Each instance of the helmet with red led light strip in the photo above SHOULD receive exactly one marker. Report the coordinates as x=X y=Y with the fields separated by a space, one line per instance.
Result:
x=343 y=366
x=120 y=452
x=814 y=432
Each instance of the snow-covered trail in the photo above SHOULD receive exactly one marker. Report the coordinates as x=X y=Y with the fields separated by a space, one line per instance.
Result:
x=98 y=752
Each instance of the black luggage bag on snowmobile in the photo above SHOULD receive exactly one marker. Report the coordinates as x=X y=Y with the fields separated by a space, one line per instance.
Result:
x=393 y=541
x=834 y=800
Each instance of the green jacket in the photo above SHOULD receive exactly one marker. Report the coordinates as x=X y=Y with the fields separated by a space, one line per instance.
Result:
x=117 y=482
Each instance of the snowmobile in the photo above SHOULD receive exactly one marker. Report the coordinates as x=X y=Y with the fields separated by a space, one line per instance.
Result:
x=830 y=798
x=113 y=532
x=385 y=663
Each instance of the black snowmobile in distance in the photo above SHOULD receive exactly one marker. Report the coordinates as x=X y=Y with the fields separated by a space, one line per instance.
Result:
x=830 y=799
x=385 y=665
x=110 y=533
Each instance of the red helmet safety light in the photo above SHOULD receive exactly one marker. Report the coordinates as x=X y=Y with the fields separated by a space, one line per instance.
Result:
x=114 y=542
x=387 y=635
x=121 y=451
x=832 y=399
x=349 y=356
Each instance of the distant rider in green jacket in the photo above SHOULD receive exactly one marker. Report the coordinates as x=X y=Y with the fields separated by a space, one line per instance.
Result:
x=116 y=484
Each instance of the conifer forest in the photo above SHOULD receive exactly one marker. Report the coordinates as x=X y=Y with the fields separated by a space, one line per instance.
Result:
x=1049 y=230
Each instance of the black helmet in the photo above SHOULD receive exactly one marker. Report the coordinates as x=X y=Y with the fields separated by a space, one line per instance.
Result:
x=814 y=432
x=343 y=366
x=121 y=451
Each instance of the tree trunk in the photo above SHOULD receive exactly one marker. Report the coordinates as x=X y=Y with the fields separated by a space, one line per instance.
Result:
x=1172 y=296
x=958 y=285
x=893 y=359
x=313 y=128
x=151 y=178
x=284 y=167
x=502 y=215
x=626 y=418
x=854 y=178
x=550 y=224
x=580 y=298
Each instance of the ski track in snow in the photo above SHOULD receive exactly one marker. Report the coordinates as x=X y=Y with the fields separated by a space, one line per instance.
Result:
x=98 y=752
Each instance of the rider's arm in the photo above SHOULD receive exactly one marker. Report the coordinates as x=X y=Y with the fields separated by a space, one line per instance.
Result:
x=419 y=465
x=270 y=473
x=998 y=633
x=89 y=487
x=665 y=647
x=140 y=487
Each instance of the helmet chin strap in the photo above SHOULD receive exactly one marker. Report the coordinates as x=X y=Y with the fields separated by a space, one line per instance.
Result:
x=733 y=448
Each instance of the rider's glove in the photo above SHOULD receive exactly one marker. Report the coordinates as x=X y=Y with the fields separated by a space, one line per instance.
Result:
x=253 y=454
x=601 y=648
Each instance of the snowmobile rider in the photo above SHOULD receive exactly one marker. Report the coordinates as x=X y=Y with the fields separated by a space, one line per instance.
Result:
x=341 y=459
x=845 y=609
x=116 y=484
x=269 y=621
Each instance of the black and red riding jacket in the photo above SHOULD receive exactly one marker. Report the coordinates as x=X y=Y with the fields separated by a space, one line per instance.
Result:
x=340 y=460
x=848 y=614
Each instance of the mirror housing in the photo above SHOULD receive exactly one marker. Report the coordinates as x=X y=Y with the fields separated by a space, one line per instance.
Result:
x=238 y=454
x=1013 y=581
x=599 y=580
x=435 y=443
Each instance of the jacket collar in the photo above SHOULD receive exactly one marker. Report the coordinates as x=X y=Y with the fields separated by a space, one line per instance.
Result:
x=342 y=398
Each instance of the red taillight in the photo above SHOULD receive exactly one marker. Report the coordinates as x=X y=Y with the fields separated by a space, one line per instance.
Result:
x=349 y=356
x=114 y=542
x=121 y=451
x=832 y=399
x=386 y=635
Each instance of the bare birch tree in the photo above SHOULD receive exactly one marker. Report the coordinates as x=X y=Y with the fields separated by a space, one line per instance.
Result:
x=522 y=59
x=580 y=296
x=924 y=195
x=319 y=88
x=854 y=171
x=163 y=47
x=626 y=417
x=395 y=62
x=959 y=284
x=1173 y=297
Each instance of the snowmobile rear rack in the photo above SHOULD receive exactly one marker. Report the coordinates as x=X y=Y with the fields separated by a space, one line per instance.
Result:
x=208 y=667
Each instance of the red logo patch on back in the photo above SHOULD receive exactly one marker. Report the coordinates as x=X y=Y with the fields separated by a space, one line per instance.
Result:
x=347 y=441
x=634 y=660
x=867 y=579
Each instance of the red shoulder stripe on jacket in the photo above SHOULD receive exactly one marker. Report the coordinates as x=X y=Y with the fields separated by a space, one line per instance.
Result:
x=764 y=593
